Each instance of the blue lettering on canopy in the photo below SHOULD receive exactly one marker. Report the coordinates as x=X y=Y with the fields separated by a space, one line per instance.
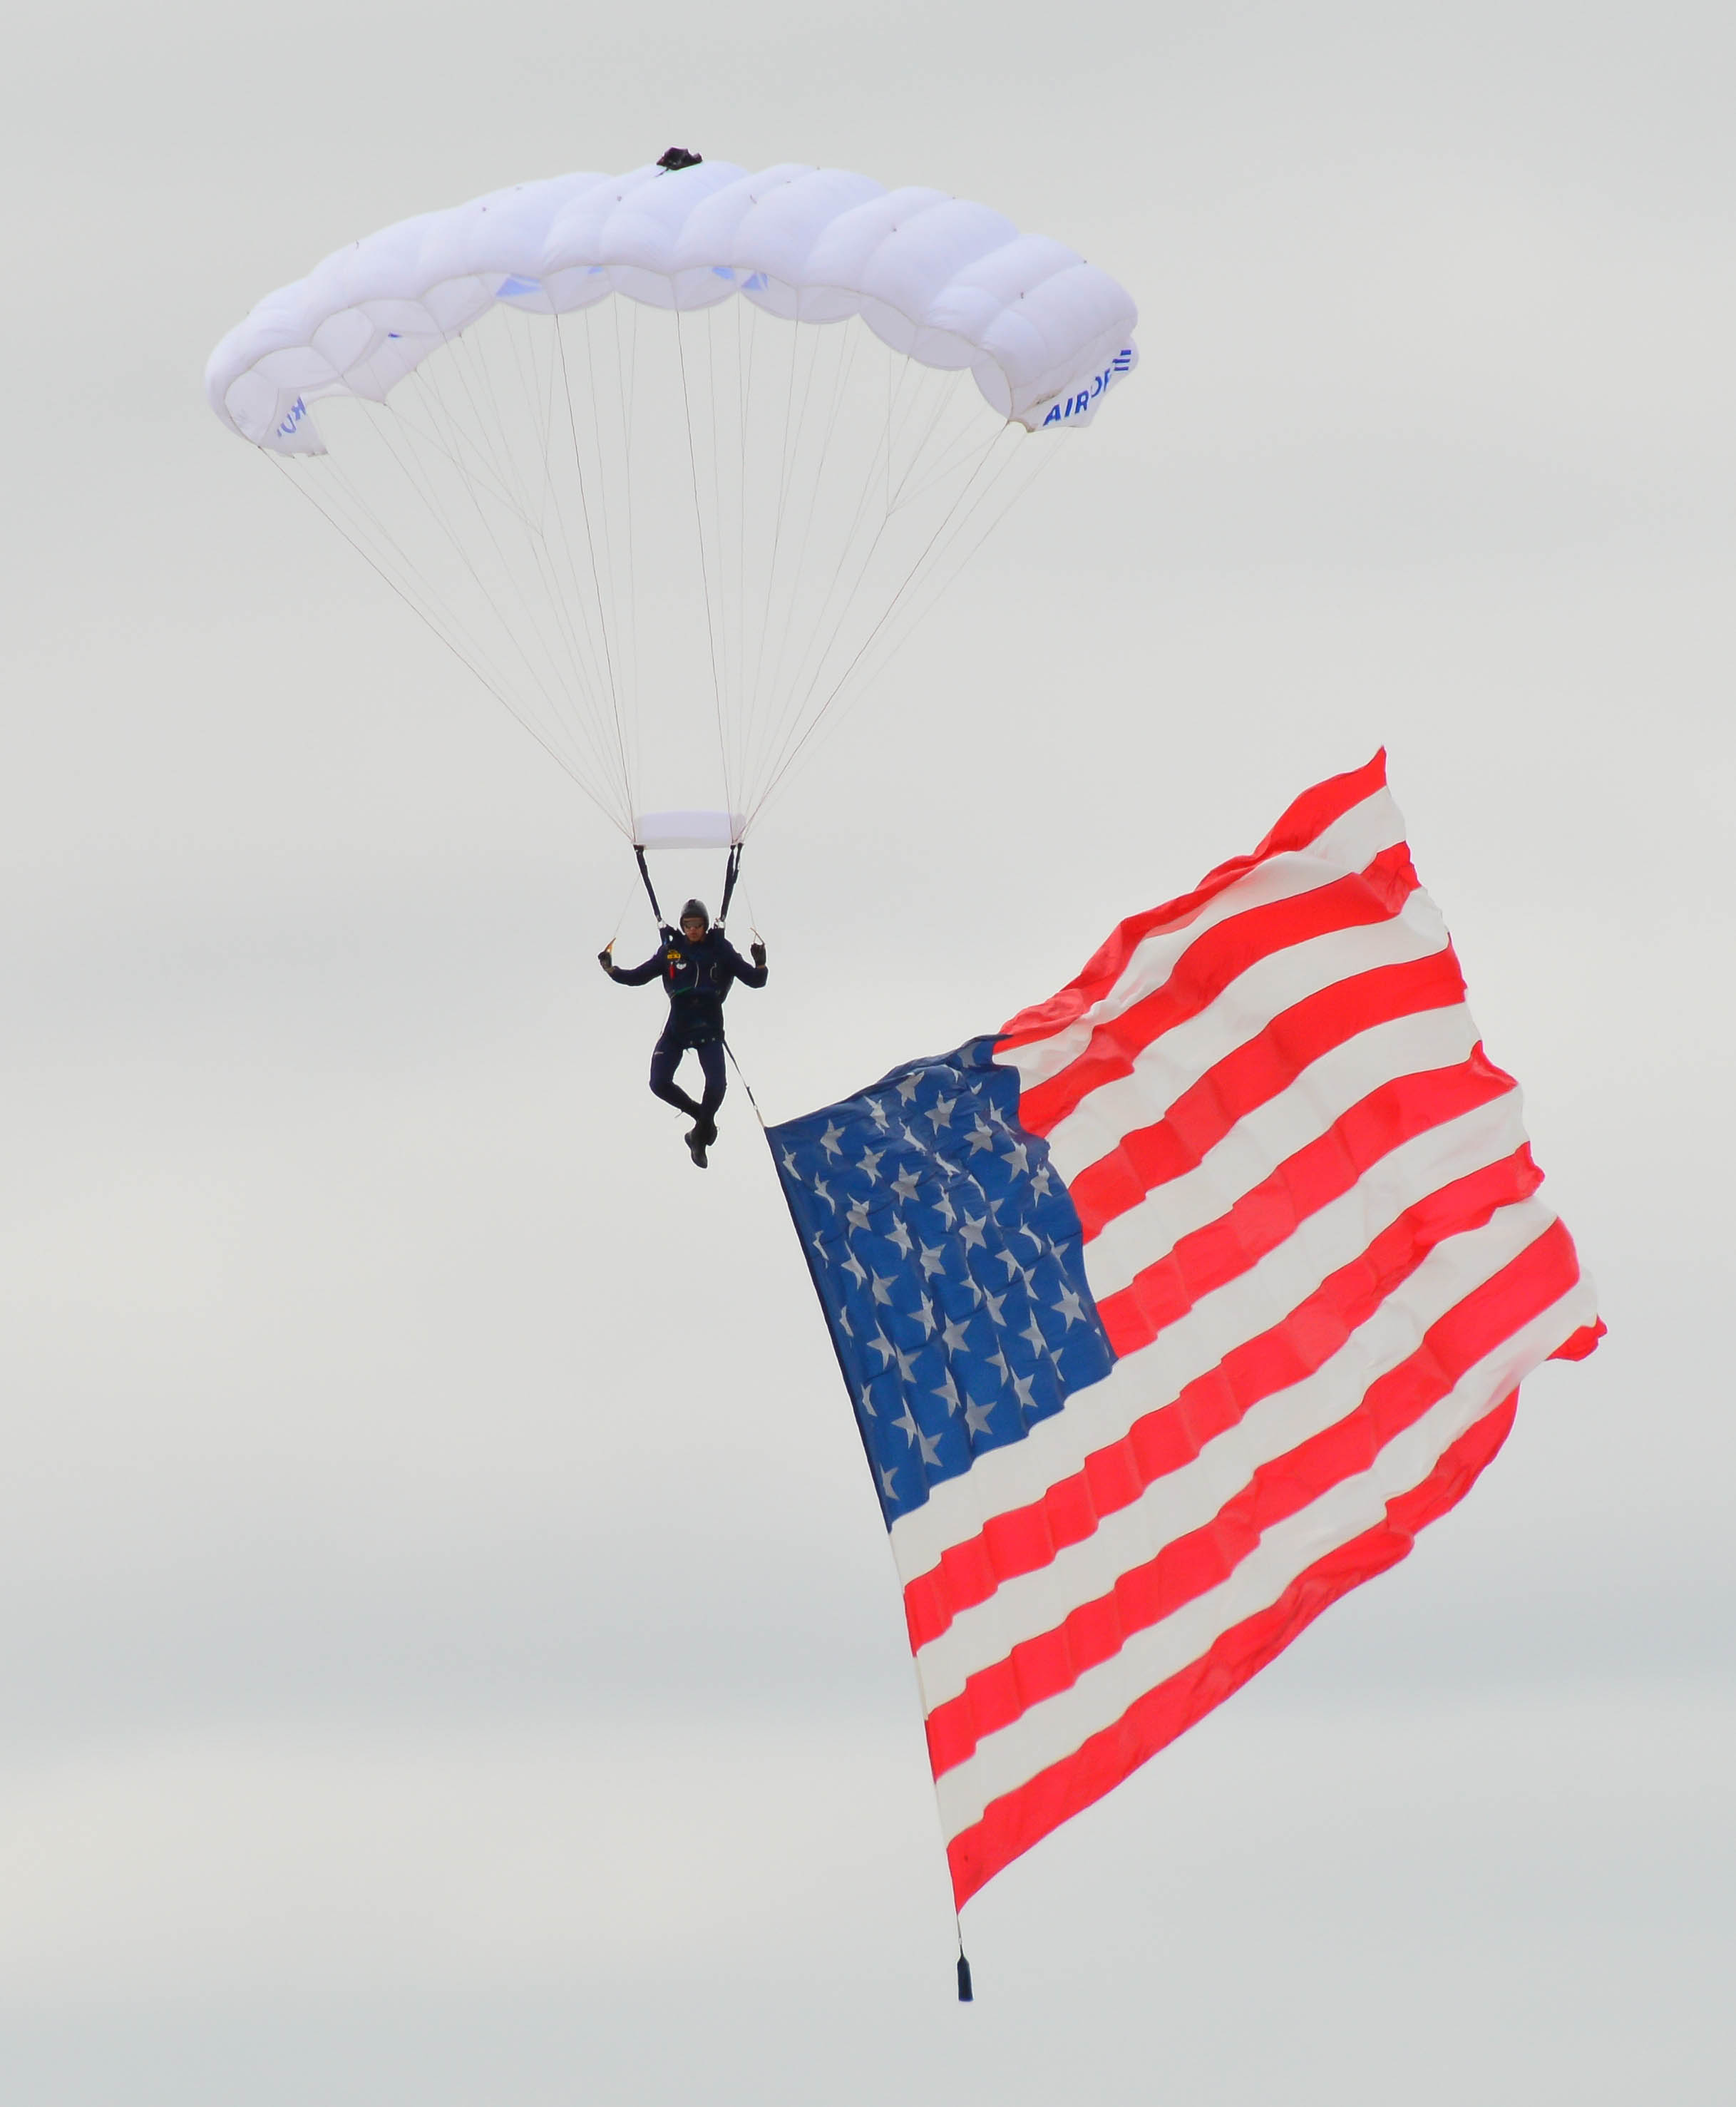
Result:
x=514 y=288
x=722 y=270
x=298 y=411
x=755 y=284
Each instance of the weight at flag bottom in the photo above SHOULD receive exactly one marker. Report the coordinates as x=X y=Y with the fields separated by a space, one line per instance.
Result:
x=1173 y=1310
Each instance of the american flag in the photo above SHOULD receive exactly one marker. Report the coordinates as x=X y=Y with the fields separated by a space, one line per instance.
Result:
x=1172 y=1311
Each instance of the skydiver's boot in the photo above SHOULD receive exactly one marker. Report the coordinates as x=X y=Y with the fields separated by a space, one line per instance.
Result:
x=697 y=1142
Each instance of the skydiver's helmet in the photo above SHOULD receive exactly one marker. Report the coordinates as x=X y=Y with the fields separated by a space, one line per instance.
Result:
x=695 y=909
x=677 y=157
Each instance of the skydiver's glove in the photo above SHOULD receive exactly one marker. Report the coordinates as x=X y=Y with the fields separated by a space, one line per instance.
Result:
x=756 y=952
x=606 y=961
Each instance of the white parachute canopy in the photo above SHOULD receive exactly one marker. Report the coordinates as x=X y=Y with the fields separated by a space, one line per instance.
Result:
x=674 y=460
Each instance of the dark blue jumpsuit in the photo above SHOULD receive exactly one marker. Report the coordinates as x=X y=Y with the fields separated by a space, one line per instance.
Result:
x=697 y=976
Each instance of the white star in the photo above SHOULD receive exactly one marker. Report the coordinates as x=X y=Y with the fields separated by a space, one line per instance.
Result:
x=999 y=1117
x=999 y=1361
x=914 y=1140
x=945 y=1209
x=899 y=1235
x=882 y=1284
x=972 y=1231
x=1021 y=1390
x=907 y=1419
x=981 y=1136
x=948 y=1393
x=952 y=1171
x=1070 y=1307
x=879 y=1111
x=1058 y=1252
x=884 y=1348
x=844 y=1320
x=1023 y=1230
x=905 y=1184
x=831 y=1137
x=1019 y=1157
x=868 y=1403
x=852 y=1266
x=789 y=1165
x=1040 y=1182
x=976 y=1416
x=907 y=1089
x=886 y=1477
x=973 y=1291
x=1009 y=1261
x=924 y=1315
x=930 y=1260
x=994 y=1302
x=906 y=1363
x=870 y=1165
x=1033 y=1332
x=818 y=1243
x=820 y=1187
x=953 y=1335
x=858 y=1214
x=929 y=1445
x=940 y=1113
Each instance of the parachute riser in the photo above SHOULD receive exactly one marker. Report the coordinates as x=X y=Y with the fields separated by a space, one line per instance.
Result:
x=732 y=871
x=645 y=872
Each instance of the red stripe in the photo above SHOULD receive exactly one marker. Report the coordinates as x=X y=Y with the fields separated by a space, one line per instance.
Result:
x=1020 y=1819
x=1221 y=954
x=1261 y=1220
x=1193 y=1563
x=1306 y=820
x=1256 y=1072
x=1583 y=1342
x=1025 y=1538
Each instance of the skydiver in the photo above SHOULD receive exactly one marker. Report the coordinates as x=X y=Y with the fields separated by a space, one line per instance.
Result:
x=698 y=964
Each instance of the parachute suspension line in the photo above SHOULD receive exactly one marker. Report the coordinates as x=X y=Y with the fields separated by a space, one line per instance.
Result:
x=596 y=582
x=919 y=572
x=464 y=457
x=705 y=573
x=626 y=378
x=922 y=570
x=780 y=699
x=611 y=639
x=845 y=364
x=480 y=383
x=821 y=644
x=720 y=551
x=599 y=692
x=535 y=672
x=470 y=662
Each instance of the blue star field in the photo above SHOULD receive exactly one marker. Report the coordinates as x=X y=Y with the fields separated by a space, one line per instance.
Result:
x=946 y=1255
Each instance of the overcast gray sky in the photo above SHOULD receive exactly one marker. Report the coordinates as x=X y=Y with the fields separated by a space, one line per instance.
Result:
x=419 y=1680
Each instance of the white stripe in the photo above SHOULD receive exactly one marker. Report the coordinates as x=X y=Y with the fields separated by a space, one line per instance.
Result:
x=1269 y=1135
x=1059 y=1725
x=1176 y=1060
x=1188 y=1498
x=956 y=1508
x=1350 y=844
